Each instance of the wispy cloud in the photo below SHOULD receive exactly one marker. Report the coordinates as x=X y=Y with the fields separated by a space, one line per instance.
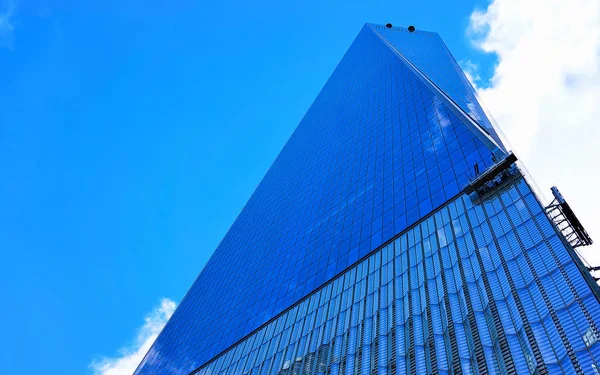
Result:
x=8 y=9
x=471 y=71
x=129 y=357
x=545 y=91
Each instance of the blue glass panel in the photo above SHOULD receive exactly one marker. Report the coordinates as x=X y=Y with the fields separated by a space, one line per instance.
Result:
x=427 y=51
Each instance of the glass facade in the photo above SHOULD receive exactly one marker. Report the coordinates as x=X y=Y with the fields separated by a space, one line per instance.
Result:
x=429 y=54
x=359 y=253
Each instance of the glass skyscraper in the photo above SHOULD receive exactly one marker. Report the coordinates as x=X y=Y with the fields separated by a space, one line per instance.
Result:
x=394 y=234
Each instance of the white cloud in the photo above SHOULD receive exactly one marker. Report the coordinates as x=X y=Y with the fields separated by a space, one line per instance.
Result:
x=7 y=12
x=471 y=71
x=545 y=93
x=130 y=357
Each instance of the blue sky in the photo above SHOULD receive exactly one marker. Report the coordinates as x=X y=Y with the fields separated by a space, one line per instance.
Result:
x=132 y=133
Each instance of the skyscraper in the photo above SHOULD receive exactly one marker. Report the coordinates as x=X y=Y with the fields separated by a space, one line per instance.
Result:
x=395 y=233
